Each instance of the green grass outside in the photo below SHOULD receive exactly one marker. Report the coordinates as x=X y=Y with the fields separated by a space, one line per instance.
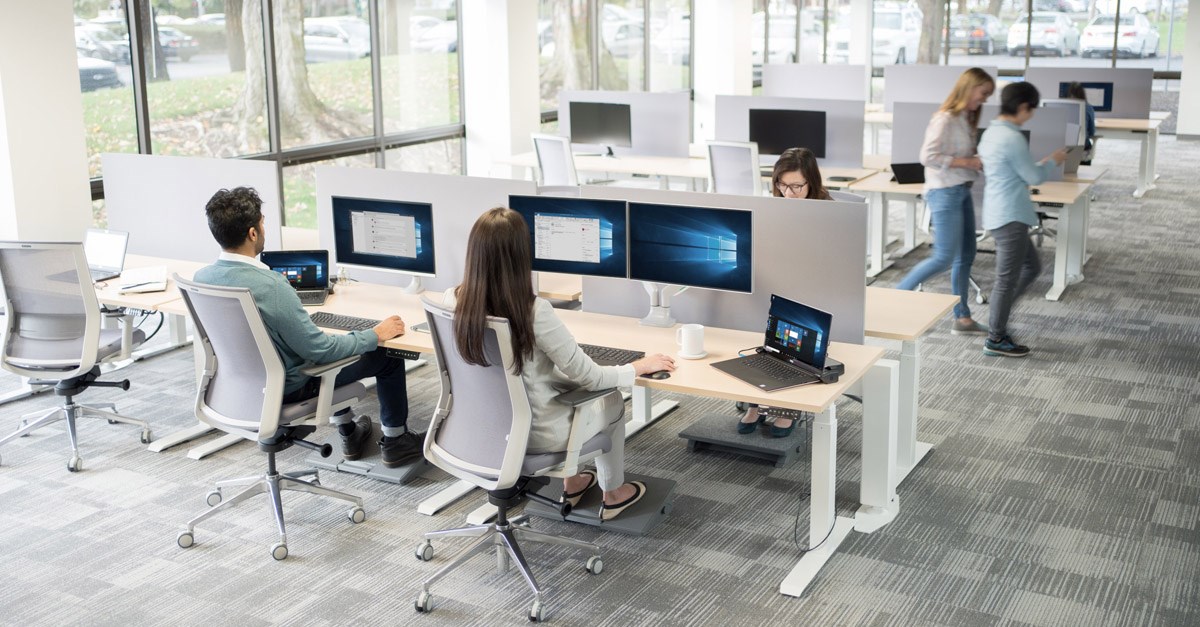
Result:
x=1177 y=38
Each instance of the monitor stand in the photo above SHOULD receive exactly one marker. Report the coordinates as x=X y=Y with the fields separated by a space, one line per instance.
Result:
x=660 y=304
x=414 y=286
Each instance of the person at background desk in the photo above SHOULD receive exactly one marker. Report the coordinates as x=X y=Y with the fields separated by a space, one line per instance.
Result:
x=236 y=221
x=796 y=175
x=497 y=282
x=1076 y=91
x=951 y=169
x=1008 y=210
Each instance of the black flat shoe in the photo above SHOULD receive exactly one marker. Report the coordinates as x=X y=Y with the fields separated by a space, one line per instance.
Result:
x=783 y=432
x=746 y=428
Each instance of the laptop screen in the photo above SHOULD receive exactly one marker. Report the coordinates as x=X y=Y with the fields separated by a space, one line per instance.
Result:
x=798 y=331
x=304 y=269
x=105 y=250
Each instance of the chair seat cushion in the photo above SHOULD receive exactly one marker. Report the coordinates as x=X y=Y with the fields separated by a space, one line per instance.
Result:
x=292 y=412
x=62 y=354
x=537 y=462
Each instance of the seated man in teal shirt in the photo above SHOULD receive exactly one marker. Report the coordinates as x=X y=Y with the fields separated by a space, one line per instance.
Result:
x=1008 y=210
x=236 y=221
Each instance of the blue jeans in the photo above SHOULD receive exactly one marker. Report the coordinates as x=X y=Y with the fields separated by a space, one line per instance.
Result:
x=390 y=386
x=953 y=217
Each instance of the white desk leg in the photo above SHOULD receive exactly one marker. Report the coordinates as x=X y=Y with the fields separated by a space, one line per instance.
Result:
x=1153 y=157
x=208 y=448
x=826 y=530
x=878 y=487
x=483 y=514
x=910 y=228
x=1145 y=181
x=909 y=451
x=195 y=431
x=645 y=410
x=1062 y=252
x=177 y=334
x=413 y=364
x=443 y=499
x=23 y=391
x=877 y=234
x=1077 y=234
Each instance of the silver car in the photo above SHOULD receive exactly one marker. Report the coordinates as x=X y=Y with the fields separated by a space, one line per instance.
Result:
x=1050 y=32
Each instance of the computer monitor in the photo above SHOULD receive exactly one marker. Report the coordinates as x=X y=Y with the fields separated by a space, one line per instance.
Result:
x=389 y=235
x=603 y=123
x=1099 y=95
x=776 y=130
x=574 y=235
x=691 y=246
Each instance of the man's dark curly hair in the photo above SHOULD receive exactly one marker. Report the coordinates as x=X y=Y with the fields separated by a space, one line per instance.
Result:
x=231 y=213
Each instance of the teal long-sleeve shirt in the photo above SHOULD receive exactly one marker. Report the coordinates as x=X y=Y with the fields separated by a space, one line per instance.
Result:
x=297 y=340
x=1009 y=170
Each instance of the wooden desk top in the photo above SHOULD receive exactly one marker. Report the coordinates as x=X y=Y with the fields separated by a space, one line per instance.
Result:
x=1127 y=124
x=108 y=292
x=1063 y=192
x=1087 y=174
x=882 y=182
x=560 y=286
x=903 y=315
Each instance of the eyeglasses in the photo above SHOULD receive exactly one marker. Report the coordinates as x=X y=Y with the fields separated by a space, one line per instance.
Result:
x=794 y=187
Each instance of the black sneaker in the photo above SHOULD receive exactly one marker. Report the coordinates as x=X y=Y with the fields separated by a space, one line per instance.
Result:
x=352 y=445
x=402 y=450
x=1005 y=347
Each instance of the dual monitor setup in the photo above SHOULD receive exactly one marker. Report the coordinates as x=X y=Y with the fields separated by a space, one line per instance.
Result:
x=661 y=245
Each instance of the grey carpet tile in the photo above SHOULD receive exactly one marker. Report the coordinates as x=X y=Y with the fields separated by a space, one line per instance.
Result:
x=1063 y=489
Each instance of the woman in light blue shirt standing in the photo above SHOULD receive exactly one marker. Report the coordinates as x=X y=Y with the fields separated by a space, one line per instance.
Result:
x=951 y=168
x=1008 y=210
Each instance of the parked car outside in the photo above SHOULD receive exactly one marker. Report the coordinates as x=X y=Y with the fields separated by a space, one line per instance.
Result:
x=1050 y=32
x=442 y=37
x=1138 y=37
x=897 y=36
x=336 y=39
x=783 y=39
x=625 y=40
x=99 y=42
x=97 y=74
x=978 y=33
x=177 y=44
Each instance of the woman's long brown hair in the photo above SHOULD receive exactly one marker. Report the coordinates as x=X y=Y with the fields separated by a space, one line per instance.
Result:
x=496 y=282
x=800 y=160
x=960 y=96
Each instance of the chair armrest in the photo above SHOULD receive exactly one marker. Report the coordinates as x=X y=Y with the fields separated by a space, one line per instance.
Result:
x=579 y=396
x=319 y=370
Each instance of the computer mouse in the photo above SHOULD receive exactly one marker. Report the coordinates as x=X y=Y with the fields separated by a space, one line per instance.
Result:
x=661 y=374
x=1034 y=190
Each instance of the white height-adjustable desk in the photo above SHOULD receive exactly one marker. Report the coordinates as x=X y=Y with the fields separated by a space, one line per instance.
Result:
x=1071 y=201
x=1144 y=131
x=879 y=187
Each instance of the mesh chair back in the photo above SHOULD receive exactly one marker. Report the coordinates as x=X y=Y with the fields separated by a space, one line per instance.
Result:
x=481 y=426
x=52 y=326
x=846 y=196
x=733 y=168
x=555 y=160
x=242 y=387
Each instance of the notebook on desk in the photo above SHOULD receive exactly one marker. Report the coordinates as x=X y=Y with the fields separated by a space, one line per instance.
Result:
x=139 y=280
x=793 y=351
x=306 y=270
x=105 y=252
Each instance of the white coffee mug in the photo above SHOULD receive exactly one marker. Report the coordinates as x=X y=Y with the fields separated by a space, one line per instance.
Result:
x=690 y=338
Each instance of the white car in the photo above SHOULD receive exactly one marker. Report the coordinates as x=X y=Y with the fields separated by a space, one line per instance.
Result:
x=1138 y=37
x=897 y=36
x=336 y=39
x=1051 y=32
x=783 y=39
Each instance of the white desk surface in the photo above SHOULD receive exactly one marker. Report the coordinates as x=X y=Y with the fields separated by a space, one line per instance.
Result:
x=882 y=182
x=903 y=315
x=1087 y=174
x=108 y=292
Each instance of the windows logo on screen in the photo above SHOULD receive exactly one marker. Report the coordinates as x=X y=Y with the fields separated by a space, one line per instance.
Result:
x=722 y=249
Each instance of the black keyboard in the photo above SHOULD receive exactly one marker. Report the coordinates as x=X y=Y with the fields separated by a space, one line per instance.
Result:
x=609 y=356
x=775 y=368
x=340 y=322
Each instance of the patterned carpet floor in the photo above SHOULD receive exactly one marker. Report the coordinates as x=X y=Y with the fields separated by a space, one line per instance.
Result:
x=1063 y=489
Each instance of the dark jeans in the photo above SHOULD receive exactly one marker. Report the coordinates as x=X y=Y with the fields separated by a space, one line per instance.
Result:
x=390 y=386
x=953 y=215
x=1017 y=266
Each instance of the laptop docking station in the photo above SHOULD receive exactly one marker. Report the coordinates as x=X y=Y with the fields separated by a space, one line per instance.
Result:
x=833 y=370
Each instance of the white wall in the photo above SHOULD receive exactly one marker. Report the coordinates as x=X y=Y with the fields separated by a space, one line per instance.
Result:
x=1189 y=90
x=721 y=54
x=44 y=190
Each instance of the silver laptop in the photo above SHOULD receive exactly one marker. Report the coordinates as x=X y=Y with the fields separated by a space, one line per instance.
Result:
x=793 y=350
x=1075 y=155
x=105 y=252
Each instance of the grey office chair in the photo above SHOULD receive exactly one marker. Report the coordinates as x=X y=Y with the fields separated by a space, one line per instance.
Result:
x=52 y=335
x=556 y=164
x=241 y=392
x=733 y=168
x=479 y=433
x=846 y=196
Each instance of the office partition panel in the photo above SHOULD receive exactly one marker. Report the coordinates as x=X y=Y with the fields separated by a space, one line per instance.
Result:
x=660 y=123
x=925 y=83
x=824 y=81
x=160 y=200
x=843 y=124
x=811 y=251
x=1126 y=91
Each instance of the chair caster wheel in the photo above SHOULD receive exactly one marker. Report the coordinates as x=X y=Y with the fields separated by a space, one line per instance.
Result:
x=741 y=406
x=423 y=604
x=213 y=498
x=595 y=565
x=185 y=539
x=279 y=552
x=75 y=464
x=356 y=515
x=666 y=508
x=111 y=421
x=535 y=612
x=424 y=552
x=146 y=439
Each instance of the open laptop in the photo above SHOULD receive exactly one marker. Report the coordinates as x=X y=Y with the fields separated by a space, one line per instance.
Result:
x=906 y=173
x=105 y=252
x=305 y=270
x=1075 y=155
x=793 y=351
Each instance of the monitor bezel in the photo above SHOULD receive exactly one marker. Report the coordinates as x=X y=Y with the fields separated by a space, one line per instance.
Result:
x=532 y=244
x=362 y=266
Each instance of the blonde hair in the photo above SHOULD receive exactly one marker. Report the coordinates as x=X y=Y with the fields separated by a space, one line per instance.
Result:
x=956 y=102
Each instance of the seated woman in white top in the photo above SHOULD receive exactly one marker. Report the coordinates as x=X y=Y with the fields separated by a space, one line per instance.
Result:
x=497 y=282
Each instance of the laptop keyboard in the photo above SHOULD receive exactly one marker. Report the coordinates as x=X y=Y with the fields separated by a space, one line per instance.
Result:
x=775 y=368
x=340 y=322
x=609 y=356
x=312 y=298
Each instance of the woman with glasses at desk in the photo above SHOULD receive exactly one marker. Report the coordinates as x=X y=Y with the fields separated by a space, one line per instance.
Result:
x=951 y=168
x=497 y=282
